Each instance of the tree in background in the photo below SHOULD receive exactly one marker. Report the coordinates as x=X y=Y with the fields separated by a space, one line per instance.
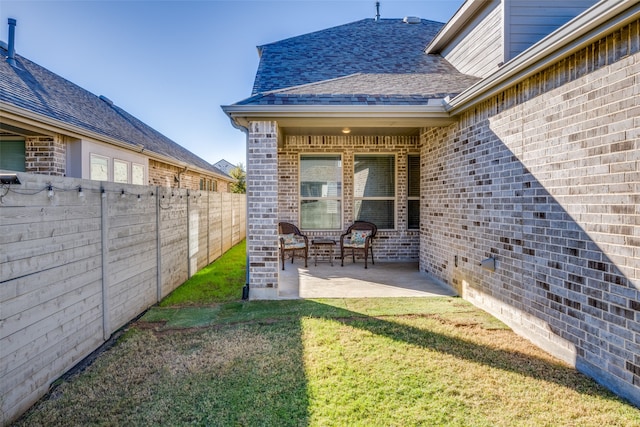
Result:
x=240 y=185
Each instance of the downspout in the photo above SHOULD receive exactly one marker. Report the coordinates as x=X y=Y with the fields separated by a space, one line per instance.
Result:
x=245 y=289
x=186 y=168
x=245 y=130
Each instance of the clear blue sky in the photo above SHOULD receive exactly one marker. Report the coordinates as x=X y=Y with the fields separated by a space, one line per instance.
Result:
x=173 y=64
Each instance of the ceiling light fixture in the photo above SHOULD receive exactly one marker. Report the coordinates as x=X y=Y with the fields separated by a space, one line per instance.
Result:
x=346 y=130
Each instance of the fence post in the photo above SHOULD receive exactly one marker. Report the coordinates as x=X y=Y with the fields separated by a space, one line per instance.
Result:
x=158 y=247
x=104 y=224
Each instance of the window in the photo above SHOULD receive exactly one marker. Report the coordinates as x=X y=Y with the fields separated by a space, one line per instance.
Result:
x=137 y=174
x=413 y=195
x=12 y=155
x=99 y=168
x=321 y=192
x=120 y=171
x=374 y=189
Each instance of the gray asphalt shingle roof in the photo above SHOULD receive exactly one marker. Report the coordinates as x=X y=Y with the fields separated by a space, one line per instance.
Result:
x=34 y=88
x=363 y=62
x=369 y=89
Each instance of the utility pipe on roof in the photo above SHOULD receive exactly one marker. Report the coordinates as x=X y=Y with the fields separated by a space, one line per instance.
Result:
x=11 y=54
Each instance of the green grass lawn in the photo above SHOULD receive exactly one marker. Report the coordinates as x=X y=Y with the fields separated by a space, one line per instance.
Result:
x=337 y=362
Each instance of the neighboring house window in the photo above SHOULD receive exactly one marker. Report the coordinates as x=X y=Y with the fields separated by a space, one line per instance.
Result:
x=12 y=155
x=99 y=168
x=413 y=195
x=213 y=185
x=137 y=174
x=374 y=189
x=321 y=192
x=120 y=171
x=207 y=184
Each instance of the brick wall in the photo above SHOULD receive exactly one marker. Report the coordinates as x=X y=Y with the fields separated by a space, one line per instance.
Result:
x=166 y=175
x=398 y=244
x=545 y=177
x=45 y=155
x=262 y=209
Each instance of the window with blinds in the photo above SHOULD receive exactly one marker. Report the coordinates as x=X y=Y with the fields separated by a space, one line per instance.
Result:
x=374 y=189
x=321 y=192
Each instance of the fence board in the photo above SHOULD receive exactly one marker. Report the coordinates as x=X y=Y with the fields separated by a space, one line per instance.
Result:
x=52 y=275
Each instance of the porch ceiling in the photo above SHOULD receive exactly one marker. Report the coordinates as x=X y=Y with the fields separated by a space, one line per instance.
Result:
x=330 y=120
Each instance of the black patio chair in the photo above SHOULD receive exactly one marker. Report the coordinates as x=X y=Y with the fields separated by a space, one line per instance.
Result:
x=292 y=240
x=358 y=237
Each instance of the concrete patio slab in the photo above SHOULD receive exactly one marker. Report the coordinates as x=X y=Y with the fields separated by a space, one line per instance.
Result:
x=382 y=280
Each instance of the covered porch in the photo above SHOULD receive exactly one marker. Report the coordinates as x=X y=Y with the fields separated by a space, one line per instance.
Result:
x=382 y=280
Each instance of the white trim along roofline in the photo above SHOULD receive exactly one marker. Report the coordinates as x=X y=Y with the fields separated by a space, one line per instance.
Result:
x=435 y=109
x=583 y=30
x=47 y=124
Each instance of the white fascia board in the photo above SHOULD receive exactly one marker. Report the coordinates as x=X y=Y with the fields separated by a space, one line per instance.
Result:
x=583 y=30
x=52 y=126
x=240 y=115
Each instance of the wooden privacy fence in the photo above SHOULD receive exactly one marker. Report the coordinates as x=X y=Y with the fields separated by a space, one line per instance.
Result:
x=79 y=259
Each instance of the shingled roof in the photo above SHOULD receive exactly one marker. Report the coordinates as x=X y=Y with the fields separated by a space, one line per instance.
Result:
x=34 y=88
x=365 y=62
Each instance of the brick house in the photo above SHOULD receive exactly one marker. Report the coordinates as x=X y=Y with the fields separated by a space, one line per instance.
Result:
x=51 y=126
x=511 y=133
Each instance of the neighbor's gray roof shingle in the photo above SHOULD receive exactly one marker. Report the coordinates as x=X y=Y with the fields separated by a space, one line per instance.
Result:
x=366 y=62
x=34 y=88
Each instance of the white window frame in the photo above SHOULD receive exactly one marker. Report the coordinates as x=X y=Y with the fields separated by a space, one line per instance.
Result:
x=108 y=170
x=339 y=198
x=395 y=186
x=135 y=165
x=127 y=166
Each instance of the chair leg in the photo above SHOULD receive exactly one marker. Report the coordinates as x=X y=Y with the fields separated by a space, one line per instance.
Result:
x=372 y=261
x=282 y=257
x=341 y=256
x=306 y=255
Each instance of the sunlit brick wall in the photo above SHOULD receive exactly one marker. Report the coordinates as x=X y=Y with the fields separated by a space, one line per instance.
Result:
x=262 y=205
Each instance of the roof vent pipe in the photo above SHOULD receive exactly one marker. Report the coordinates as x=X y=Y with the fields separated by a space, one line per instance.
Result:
x=12 y=43
x=377 y=11
x=412 y=20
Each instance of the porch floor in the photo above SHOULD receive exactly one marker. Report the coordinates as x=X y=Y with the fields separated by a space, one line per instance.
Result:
x=382 y=280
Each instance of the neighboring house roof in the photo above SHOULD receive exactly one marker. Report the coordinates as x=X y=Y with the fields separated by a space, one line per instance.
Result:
x=34 y=89
x=224 y=166
x=384 y=59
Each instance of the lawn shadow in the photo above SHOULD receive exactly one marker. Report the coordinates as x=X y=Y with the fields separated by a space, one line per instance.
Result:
x=376 y=320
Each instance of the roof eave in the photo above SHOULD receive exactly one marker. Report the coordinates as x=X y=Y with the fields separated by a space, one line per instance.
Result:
x=432 y=113
x=583 y=30
x=452 y=28
x=52 y=126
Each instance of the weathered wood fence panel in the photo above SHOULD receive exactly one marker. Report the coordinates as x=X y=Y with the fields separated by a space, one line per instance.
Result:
x=75 y=266
x=174 y=244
